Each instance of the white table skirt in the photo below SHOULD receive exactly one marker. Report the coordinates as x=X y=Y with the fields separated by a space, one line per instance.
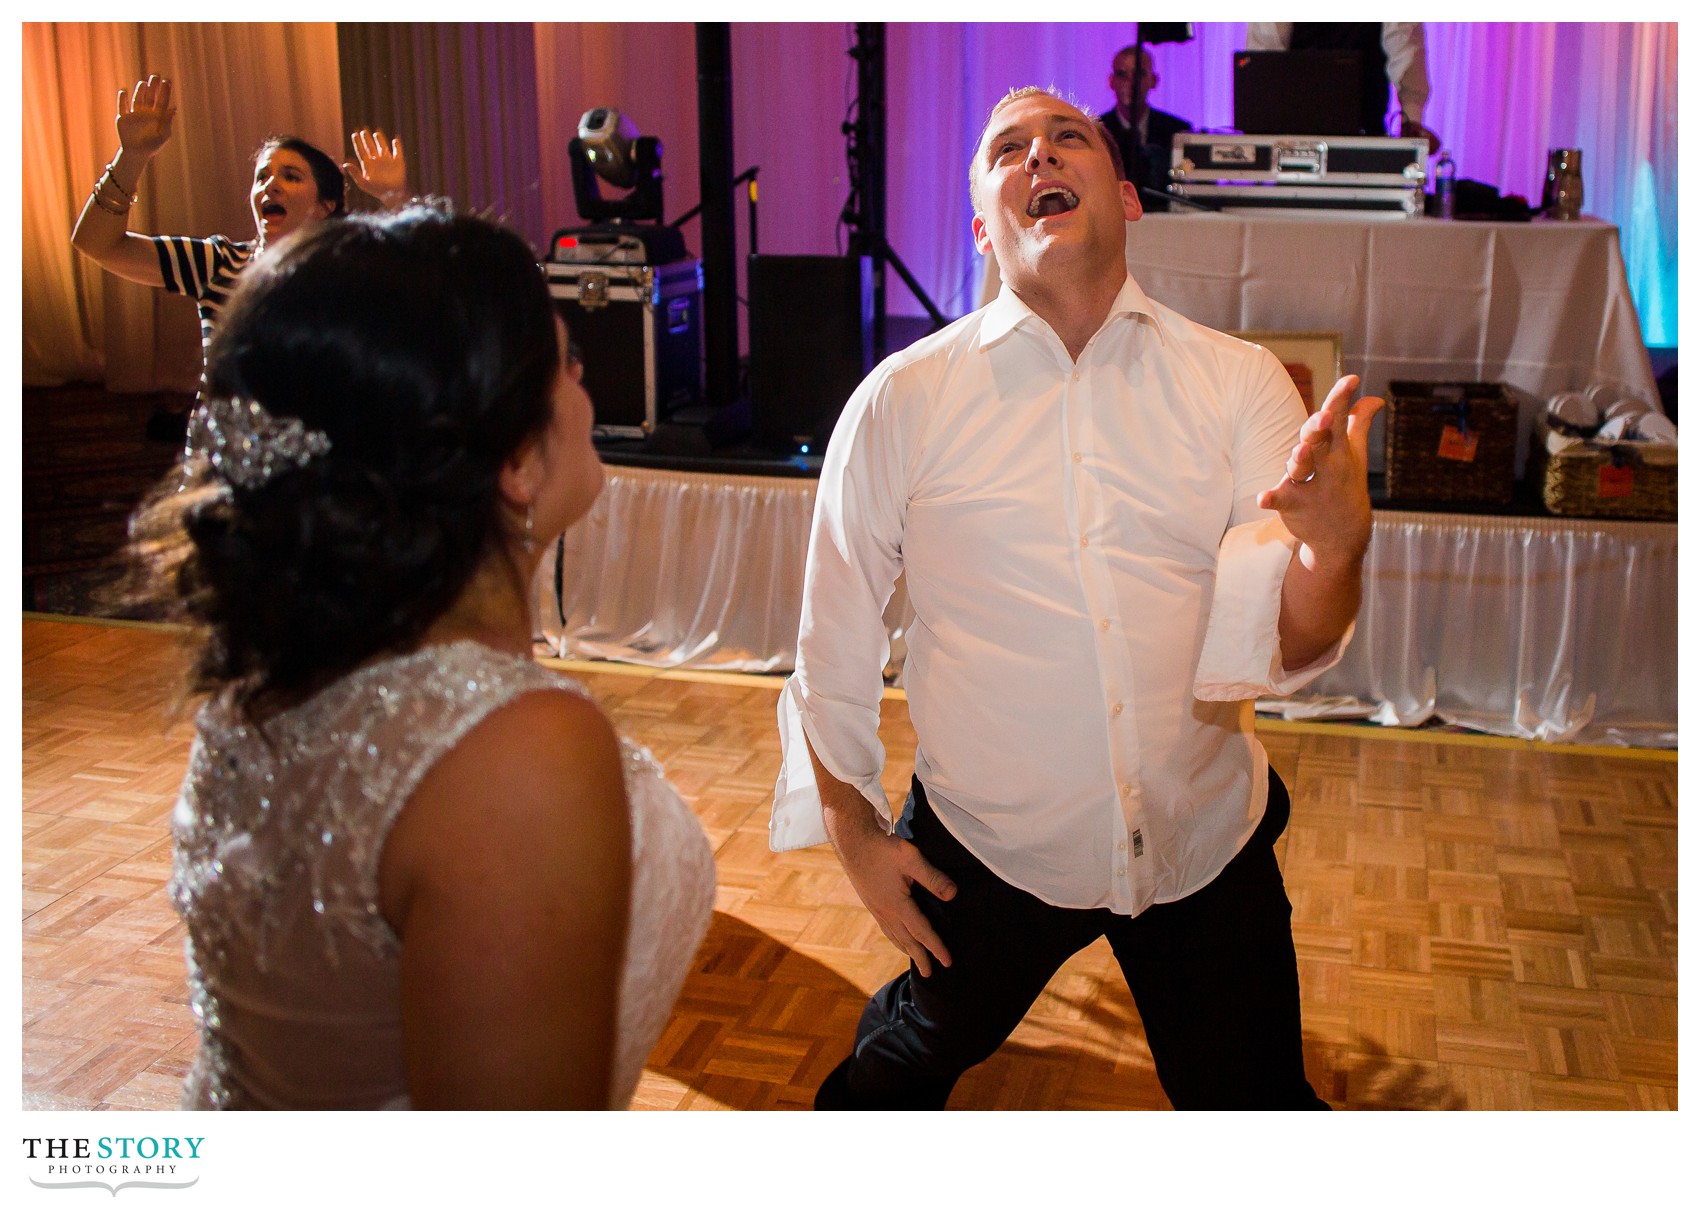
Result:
x=683 y=569
x=1542 y=628
x=1550 y=629
x=688 y=570
x=1543 y=307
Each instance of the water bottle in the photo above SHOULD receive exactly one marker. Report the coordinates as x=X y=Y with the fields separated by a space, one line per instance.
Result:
x=1564 y=173
x=1445 y=179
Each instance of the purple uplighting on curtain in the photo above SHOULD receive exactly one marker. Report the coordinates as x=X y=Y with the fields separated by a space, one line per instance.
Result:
x=1501 y=94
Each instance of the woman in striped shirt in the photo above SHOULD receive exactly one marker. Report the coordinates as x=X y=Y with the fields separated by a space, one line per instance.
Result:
x=295 y=186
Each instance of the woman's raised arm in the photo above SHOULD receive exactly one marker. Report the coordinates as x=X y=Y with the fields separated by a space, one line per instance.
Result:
x=379 y=167
x=103 y=229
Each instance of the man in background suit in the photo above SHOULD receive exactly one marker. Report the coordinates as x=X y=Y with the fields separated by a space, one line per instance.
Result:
x=1142 y=134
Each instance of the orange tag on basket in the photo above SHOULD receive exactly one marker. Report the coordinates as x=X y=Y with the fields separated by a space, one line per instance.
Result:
x=1456 y=444
x=1616 y=481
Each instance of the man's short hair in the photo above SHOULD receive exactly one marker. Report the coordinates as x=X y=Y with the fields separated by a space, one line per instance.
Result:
x=1034 y=90
x=1142 y=53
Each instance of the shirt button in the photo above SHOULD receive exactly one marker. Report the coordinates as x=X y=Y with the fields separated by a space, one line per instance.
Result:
x=1127 y=789
x=1077 y=456
x=1075 y=376
x=1121 y=871
x=1122 y=845
x=1104 y=626
x=1116 y=710
x=1083 y=541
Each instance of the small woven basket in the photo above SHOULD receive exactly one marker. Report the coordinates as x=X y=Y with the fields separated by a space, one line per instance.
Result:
x=1604 y=480
x=1451 y=442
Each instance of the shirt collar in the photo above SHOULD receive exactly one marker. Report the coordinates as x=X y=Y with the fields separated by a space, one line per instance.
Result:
x=1007 y=312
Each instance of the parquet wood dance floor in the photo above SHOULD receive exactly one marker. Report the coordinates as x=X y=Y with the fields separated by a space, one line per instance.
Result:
x=1478 y=925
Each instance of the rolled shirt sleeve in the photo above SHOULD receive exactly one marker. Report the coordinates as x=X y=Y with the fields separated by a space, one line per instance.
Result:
x=855 y=543
x=1241 y=657
x=1241 y=654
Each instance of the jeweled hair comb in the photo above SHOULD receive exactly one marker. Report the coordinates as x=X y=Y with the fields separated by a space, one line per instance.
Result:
x=247 y=446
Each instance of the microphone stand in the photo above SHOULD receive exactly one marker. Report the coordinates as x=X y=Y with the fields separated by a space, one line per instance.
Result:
x=748 y=175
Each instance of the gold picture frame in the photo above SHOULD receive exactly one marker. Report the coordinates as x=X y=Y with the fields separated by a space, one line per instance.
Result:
x=1312 y=360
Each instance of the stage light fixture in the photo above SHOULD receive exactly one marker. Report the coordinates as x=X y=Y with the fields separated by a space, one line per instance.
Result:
x=609 y=138
x=609 y=151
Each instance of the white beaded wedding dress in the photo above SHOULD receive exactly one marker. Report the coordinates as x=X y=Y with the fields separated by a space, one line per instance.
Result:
x=293 y=972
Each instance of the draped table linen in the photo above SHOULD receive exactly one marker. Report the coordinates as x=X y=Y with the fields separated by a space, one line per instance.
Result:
x=1541 y=628
x=1543 y=307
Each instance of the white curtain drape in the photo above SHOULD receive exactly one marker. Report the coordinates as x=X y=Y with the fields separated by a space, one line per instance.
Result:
x=463 y=96
x=1502 y=94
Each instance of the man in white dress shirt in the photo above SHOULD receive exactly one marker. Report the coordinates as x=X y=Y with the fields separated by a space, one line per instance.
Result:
x=1117 y=528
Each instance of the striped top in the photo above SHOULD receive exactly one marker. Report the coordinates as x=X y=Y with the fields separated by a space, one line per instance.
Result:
x=206 y=269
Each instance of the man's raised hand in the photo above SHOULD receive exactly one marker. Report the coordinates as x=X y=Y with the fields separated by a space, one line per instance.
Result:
x=1324 y=496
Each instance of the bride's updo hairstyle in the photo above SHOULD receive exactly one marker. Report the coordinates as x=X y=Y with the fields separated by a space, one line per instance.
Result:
x=422 y=345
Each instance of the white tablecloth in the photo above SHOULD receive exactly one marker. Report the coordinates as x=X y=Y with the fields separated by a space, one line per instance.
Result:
x=1545 y=628
x=1542 y=306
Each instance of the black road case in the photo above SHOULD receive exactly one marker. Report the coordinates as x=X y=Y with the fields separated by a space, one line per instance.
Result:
x=639 y=328
x=1361 y=173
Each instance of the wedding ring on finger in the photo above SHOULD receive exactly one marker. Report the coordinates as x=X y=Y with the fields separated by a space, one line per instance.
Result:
x=1306 y=480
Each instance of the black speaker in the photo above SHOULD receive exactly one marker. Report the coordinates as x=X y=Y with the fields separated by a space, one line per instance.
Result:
x=811 y=343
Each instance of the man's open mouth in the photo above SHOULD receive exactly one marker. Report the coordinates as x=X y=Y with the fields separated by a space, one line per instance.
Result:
x=1052 y=200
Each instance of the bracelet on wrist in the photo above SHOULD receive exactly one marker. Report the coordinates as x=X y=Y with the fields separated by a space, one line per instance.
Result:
x=112 y=206
x=113 y=196
x=119 y=205
x=106 y=178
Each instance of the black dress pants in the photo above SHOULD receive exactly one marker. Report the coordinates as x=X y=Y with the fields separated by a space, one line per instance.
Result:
x=1214 y=977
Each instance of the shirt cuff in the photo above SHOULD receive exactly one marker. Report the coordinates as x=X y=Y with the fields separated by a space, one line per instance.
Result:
x=1241 y=657
x=1283 y=682
x=798 y=820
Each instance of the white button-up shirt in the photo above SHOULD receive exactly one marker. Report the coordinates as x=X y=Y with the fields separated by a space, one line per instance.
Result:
x=1096 y=597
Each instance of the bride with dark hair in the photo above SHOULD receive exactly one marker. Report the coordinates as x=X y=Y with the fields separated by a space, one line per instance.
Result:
x=417 y=869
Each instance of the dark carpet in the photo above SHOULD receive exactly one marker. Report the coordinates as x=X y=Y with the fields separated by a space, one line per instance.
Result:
x=87 y=462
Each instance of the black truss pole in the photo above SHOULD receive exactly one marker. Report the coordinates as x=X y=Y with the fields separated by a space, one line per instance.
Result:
x=865 y=153
x=719 y=236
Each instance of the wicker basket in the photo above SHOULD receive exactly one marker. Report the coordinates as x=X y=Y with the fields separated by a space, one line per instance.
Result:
x=1584 y=479
x=1451 y=442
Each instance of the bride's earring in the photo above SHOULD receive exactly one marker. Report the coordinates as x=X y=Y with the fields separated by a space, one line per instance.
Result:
x=530 y=539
